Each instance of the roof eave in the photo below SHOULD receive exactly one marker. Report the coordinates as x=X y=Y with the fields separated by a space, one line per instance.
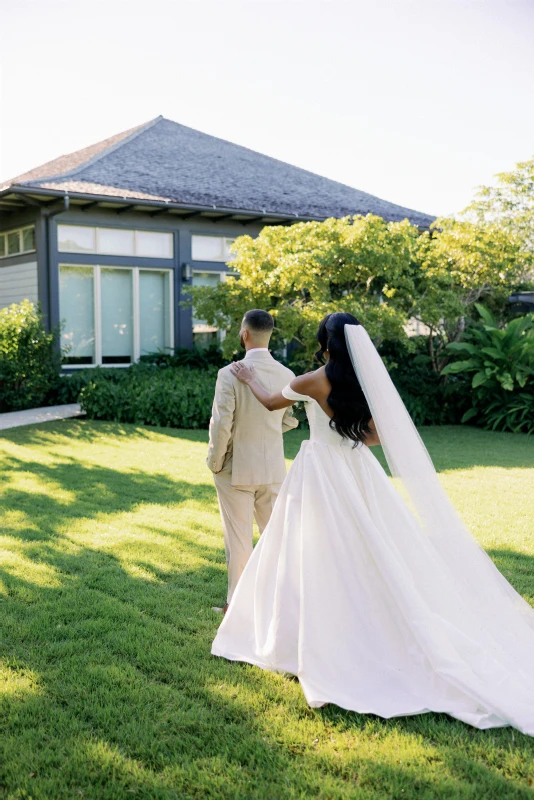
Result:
x=30 y=194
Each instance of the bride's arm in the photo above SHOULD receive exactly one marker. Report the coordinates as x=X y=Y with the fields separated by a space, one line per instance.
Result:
x=272 y=402
x=313 y=384
x=372 y=438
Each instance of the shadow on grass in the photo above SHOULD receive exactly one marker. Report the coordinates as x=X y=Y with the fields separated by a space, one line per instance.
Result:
x=128 y=701
x=453 y=447
x=517 y=568
x=90 y=431
x=450 y=446
x=90 y=490
x=463 y=447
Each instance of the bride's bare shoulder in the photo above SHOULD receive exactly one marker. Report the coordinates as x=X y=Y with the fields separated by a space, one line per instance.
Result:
x=314 y=384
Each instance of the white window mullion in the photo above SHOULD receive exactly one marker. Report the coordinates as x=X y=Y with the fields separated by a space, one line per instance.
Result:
x=98 y=318
x=136 y=315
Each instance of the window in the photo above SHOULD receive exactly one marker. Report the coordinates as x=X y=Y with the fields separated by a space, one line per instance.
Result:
x=116 y=304
x=212 y=248
x=154 y=310
x=28 y=239
x=114 y=241
x=153 y=245
x=13 y=243
x=112 y=315
x=76 y=301
x=203 y=334
x=76 y=239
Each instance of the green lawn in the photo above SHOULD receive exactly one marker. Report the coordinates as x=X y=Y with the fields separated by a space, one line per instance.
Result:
x=111 y=560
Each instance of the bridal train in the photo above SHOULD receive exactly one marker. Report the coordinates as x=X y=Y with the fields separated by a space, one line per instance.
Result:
x=378 y=609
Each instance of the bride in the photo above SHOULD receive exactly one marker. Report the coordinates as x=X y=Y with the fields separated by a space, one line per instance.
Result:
x=376 y=606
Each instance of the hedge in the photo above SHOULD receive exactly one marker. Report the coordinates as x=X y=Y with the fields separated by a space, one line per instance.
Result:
x=148 y=395
x=156 y=392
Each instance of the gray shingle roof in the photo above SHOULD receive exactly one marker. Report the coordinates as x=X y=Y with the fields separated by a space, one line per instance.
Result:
x=72 y=162
x=164 y=160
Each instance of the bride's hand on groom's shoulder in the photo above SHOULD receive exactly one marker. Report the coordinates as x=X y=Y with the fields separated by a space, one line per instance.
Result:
x=241 y=372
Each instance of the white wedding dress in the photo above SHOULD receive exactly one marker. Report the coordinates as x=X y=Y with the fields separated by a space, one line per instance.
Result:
x=347 y=590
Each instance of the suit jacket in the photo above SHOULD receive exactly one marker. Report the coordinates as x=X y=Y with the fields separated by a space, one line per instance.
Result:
x=243 y=431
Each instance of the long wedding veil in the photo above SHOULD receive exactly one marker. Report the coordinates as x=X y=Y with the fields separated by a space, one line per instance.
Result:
x=409 y=460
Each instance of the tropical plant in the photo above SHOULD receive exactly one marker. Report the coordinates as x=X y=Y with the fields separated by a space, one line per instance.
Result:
x=501 y=361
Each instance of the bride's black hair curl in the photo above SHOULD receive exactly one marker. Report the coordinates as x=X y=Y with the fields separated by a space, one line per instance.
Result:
x=346 y=399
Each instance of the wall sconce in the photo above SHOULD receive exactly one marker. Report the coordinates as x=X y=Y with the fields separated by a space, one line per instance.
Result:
x=187 y=272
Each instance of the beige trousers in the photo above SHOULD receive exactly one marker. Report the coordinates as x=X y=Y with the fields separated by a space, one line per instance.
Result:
x=239 y=506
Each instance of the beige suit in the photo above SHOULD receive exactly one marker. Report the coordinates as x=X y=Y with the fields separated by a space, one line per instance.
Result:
x=246 y=455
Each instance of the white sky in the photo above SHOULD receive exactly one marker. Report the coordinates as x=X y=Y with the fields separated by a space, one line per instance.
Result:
x=416 y=101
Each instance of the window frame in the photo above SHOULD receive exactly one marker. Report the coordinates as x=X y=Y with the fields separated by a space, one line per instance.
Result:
x=22 y=252
x=136 y=321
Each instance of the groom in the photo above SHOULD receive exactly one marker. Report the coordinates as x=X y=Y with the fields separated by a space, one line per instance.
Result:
x=246 y=452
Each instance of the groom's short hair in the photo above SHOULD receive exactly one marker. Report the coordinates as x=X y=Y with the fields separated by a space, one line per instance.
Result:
x=259 y=321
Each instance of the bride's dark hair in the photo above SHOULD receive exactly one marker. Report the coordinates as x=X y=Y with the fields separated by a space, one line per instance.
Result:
x=346 y=399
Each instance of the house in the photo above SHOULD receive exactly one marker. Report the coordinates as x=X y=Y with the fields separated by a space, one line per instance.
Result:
x=108 y=239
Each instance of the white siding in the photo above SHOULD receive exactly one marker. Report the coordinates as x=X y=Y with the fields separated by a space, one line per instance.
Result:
x=18 y=282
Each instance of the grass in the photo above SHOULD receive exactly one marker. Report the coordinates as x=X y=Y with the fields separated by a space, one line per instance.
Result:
x=111 y=559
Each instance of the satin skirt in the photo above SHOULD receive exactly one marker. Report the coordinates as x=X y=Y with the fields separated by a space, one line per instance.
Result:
x=346 y=591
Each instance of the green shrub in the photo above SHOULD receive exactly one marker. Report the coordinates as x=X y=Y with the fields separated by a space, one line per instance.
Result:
x=30 y=360
x=148 y=395
x=196 y=358
x=429 y=398
x=502 y=363
x=69 y=386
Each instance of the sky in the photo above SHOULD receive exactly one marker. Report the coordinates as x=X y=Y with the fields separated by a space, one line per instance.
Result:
x=415 y=101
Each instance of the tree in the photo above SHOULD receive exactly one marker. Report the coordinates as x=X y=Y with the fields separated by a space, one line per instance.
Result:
x=510 y=204
x=483 y=255
x=385 y=273
x=363 y=265
x=461 y=263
